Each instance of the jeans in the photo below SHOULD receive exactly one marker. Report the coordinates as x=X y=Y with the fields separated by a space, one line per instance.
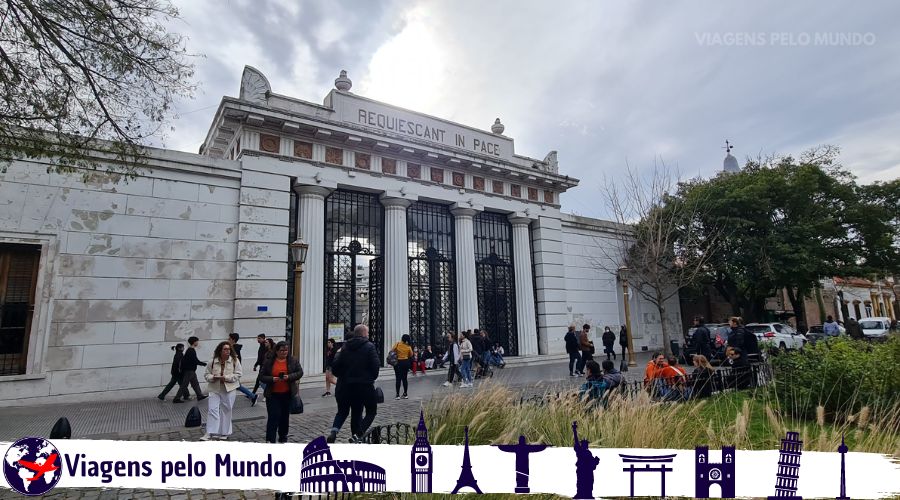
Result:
x=352 y=399
x=245 y=391
x=218 y=418
x=278 y=411
x=401 y=372
x=466 y=370
x=188 y=378
x=175 y=380
x=574 y=361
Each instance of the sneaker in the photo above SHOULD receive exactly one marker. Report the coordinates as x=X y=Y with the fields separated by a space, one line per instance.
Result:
x=253 y=399
x=176 y=401
x=572 y=375
x=205 y=437
x=332 y=436
x=355 y=439
x=446 y=384
x=404 y=397
x=161 y=398
x=327 y=393
x=201 y=397
x=397 y=397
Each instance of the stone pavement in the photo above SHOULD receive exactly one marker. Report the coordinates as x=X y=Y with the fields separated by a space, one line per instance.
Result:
x=154 y=420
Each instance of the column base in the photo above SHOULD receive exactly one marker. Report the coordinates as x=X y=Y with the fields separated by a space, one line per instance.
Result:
x=524 y=489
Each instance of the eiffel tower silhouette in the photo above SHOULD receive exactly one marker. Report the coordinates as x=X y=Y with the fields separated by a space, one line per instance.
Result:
x=466 y=479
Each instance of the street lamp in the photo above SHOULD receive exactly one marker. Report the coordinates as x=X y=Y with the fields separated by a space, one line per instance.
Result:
x=623 y=275
x=299 y=248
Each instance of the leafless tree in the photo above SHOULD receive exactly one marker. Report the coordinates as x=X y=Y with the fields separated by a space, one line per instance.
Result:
x=75 y=71
x=657 y=243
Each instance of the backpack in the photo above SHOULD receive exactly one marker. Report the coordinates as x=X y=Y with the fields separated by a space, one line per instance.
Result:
x=193 y=418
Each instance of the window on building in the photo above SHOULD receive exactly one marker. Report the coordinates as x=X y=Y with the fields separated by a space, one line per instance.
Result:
x=18 y=278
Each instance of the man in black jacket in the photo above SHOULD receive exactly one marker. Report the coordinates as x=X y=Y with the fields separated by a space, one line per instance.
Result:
x=261 y=352
x=573 y=350
x=356 y=367
x=189 y=364
x=701 y=338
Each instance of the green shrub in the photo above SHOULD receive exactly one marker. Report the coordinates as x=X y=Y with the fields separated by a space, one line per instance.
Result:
x=841 y=375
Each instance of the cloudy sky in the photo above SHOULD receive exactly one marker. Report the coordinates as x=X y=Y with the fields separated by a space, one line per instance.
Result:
x=604 y=83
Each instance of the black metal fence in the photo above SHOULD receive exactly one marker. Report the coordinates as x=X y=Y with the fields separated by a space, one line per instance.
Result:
x=396 y=433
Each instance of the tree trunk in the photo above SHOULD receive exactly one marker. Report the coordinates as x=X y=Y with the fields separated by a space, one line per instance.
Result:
x=661 y=308
x=796 y=300
x=821 y=303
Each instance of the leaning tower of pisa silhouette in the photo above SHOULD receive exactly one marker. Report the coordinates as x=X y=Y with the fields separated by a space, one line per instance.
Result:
x=788 y=468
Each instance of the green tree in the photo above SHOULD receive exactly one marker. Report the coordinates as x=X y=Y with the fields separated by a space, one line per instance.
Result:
x=75 y=71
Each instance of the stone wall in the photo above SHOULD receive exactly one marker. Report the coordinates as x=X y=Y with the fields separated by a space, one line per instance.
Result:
x=127 y=270
x=593 y=294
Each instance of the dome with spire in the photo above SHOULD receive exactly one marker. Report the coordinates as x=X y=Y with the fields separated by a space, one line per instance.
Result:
x=730 y=164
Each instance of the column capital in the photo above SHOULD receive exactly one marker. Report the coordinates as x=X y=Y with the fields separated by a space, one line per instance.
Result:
x=391 y=201
x=312 y=190
x=459 y=211
x=517 y=220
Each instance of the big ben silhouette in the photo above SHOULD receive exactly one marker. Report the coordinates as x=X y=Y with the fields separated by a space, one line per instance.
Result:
x=420 y=465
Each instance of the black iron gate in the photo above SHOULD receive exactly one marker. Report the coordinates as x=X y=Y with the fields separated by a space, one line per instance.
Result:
x=495 y=277
x=354 y=225
x=432 y=274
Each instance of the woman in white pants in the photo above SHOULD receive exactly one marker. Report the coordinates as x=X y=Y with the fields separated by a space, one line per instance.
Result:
x=224 y=377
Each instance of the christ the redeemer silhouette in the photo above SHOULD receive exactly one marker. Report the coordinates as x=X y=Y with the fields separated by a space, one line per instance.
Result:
x=522 y=450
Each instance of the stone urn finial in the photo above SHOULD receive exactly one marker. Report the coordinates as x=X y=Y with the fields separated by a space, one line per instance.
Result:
x=497 y=127
x=342 y=82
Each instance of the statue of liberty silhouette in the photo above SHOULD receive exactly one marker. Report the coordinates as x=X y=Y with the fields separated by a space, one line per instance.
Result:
x=585 y=463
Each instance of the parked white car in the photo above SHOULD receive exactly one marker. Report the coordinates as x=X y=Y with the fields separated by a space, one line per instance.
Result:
x=876 y=328
x=778 y=335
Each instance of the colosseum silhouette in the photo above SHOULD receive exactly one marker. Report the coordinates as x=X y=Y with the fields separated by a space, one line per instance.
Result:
x=321 y=473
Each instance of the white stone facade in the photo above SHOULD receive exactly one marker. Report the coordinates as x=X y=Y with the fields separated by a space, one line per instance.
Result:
x=198 y=244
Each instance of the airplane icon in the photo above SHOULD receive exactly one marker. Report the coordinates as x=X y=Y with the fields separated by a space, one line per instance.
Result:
x=39 y=470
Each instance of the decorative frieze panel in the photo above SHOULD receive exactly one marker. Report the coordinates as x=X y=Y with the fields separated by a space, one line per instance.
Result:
x=437 y=175
x=303 y=150
x=414 y=170
x=497 y=187
x=478 y=183
x=459 y=179
x=269 y=143
x=548 y=197
x=515 y=190
x=389 y=166
x=363 y=161
x=532 y=194
x=335 y=156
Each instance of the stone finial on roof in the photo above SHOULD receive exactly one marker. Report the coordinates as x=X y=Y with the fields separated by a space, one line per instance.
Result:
x=342 y=82
x=552 y=162
x=497 y=127
x=254 y=86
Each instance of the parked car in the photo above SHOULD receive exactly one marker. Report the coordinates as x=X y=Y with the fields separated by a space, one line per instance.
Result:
x=875 y=328
x=718 y=333
x=777 y=335
x=817 y=333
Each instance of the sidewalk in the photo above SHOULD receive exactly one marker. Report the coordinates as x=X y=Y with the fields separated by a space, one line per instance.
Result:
x=114 y=419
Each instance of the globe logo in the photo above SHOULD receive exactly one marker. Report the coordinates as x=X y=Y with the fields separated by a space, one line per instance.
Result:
x=32 y=466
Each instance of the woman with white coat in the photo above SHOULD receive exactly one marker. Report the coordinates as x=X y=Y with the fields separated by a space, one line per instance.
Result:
x=223 y=374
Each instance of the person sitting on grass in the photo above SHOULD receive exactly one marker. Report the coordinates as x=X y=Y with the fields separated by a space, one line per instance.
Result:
x=594 y=386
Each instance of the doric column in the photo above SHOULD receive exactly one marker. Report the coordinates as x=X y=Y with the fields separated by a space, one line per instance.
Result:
x=526 y=320
x=396 y=271
x=466 y=284
x=311 y=227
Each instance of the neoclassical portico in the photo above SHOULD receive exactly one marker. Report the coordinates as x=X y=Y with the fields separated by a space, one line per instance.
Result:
x=415 y=225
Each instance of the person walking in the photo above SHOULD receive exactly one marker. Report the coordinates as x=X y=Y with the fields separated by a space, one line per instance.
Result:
x=465 y=350
x=282 y=374
x=742 y=339
x=260 y=352
x=356 y=367
x=175 y=371
x=223 y=375
x=574 y=351
x=854 y=330
x=701 y=338
x=269 y=352
x=189 y=364
x=236 y=349
x=330 y=351
x=452 y=358
x=623 y=340
x=609 y=341
x=404 y=364
x=586 y=346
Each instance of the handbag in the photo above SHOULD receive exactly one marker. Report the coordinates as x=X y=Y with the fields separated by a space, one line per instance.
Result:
x=392 y=356
x=296 y=405
x=591 y=350
x=379 y=395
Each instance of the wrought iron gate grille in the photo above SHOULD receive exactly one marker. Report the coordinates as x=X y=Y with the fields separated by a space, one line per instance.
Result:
x=496 y=280
x=432 y=274
x=354 y=228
